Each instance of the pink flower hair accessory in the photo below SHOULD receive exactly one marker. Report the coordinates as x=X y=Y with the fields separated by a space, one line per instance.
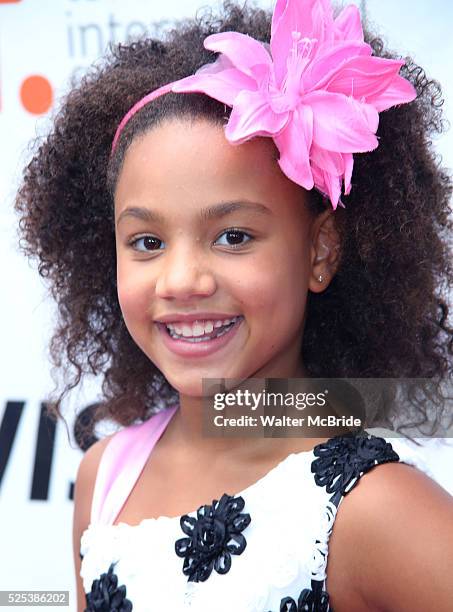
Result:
x=316 y=90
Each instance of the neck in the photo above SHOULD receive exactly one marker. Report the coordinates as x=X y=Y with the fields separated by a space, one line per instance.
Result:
x=185 y=431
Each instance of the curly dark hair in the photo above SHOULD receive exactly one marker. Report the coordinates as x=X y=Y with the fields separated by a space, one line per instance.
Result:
x=385 y=313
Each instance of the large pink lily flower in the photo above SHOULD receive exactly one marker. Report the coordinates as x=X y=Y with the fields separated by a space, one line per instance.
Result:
x=316 y=90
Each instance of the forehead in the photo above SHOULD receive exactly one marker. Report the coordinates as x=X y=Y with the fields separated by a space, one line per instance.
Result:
x=192 y=159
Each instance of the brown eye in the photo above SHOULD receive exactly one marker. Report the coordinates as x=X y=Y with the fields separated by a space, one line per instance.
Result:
x=235 y=237
x=151 y=243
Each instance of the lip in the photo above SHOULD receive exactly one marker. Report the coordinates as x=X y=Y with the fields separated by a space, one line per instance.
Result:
x=197 y=349
x=194 y=316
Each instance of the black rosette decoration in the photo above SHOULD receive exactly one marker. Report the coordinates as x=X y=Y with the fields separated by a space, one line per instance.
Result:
x=213 y=537
x=342 y=459
x=106 y=595
x=307 y=602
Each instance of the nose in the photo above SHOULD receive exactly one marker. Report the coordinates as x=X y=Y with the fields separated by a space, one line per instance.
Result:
x=185 y=273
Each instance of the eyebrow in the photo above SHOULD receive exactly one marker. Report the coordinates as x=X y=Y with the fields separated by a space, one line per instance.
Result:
x=211 y=212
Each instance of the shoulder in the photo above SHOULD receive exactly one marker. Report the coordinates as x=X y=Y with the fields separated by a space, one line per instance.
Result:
x=394 y=534
x=85 y=481
x=83 y=495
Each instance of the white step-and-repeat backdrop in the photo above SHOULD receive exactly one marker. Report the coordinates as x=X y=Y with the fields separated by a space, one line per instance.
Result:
x=43 y=43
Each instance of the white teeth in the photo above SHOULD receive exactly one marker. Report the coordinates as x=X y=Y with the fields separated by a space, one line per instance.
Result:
x=198 y=328
x=203 y=339
x=193 y=333
x=187 y=331
x=208 y=327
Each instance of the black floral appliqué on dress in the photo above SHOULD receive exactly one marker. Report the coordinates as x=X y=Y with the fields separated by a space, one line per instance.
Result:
x=106 y=595
x=344 y=459
x=306 y=602
x=339 y=464
x=213 y=537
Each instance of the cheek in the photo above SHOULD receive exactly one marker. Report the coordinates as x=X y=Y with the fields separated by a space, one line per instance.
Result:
x=133 y=297
x=283 y=275
x=274 y=294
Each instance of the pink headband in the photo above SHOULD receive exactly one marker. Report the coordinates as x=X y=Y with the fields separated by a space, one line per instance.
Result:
x=316 y=90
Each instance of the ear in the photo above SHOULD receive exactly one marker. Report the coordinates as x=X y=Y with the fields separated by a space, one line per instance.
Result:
x=324 y=251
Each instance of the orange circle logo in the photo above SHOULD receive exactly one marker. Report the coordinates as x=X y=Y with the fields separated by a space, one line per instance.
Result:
x=36 y=94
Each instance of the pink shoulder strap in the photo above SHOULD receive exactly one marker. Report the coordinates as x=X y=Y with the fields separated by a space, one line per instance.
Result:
x=121 y=464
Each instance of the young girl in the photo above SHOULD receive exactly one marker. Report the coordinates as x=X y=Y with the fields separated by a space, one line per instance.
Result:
x=240 y=210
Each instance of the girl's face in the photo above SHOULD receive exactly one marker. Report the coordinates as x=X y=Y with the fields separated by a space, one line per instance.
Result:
x=203 y=226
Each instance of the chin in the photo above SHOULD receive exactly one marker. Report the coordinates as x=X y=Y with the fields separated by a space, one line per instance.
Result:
x=196 y=388
x=188 y=388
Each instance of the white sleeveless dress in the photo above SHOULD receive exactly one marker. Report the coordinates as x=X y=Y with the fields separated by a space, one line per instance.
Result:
x=263 y=549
